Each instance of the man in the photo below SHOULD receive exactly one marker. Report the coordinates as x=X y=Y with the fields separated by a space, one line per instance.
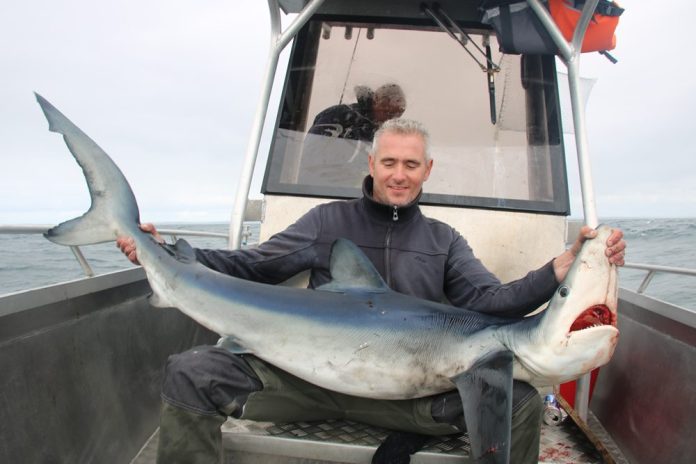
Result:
x=204 y=385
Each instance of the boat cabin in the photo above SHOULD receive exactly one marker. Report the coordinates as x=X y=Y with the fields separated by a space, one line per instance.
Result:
x=499 y=173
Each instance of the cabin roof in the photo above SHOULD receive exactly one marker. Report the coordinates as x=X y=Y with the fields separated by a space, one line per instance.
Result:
x=405 y=10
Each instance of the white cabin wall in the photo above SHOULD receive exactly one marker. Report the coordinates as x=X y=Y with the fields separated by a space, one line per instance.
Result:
x=510 y=244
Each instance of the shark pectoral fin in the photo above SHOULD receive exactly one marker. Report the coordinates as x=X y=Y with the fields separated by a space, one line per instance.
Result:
x=486 y=391
x=232 y=345
x=158 y=301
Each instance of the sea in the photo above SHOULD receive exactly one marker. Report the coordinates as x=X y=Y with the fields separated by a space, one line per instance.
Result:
x=30 y=261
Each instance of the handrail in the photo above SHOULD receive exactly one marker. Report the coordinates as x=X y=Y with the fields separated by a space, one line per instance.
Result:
x=279 y=40
x=654 y=269
x=86 y=268
x=42 y=228
x=569 y=53
x=174 y=233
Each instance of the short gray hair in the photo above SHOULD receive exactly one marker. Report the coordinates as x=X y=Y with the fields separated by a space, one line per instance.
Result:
x=391 y=92
x=404 y=127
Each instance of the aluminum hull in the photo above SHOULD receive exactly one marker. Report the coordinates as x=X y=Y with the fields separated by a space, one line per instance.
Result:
x=82 y=366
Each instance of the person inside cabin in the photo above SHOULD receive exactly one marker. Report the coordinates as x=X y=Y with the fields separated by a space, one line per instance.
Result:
x=359 y=121
x=205 y=385
x=336 y=146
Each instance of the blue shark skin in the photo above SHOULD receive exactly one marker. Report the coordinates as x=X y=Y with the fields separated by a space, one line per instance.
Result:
x=373 y=342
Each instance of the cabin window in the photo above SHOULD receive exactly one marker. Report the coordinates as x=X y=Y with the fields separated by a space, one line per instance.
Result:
x=500 y=149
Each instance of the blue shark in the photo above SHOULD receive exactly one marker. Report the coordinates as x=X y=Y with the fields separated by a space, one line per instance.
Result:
x=355 y=335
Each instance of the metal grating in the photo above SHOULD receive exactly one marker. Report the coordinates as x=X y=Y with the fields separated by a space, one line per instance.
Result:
x=354 y=433
x=561 y=444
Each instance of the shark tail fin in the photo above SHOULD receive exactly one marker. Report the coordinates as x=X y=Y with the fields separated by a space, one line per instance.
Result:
x=114 y=210
x=84 y=230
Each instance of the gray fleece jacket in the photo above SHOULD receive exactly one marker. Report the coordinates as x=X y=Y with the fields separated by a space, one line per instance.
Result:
x=414 y=254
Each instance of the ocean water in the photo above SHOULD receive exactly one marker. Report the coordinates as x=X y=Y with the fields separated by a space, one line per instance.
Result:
x=30 y=261
x=665 y=242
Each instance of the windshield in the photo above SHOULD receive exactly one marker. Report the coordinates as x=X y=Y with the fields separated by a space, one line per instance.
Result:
x=496 y=146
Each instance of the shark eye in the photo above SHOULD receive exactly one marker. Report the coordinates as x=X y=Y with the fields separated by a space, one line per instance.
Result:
x=563 y=291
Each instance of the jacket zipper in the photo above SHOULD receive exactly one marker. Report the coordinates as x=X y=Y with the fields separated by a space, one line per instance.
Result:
x=387 y=255
x=387 y=246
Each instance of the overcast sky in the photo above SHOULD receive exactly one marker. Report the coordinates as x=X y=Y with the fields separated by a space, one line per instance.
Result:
x=169 y=89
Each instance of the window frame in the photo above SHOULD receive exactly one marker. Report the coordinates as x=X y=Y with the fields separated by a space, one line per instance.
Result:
x=303 y=55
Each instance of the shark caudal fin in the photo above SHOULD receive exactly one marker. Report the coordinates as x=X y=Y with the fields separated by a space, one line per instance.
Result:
x=114 y=210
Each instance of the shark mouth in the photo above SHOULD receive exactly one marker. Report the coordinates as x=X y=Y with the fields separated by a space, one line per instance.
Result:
x=594 y=316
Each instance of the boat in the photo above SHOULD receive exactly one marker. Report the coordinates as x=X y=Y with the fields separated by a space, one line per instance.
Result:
x=82 y=360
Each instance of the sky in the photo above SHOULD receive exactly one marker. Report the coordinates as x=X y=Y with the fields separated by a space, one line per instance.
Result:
x=170 y=88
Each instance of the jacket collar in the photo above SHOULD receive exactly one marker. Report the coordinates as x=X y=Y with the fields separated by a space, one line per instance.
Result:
x=382 y=212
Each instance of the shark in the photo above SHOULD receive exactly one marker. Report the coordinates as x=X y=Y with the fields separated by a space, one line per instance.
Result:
x=355 y=335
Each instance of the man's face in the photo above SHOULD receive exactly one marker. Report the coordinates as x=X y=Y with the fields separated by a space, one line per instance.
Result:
x=399 y=168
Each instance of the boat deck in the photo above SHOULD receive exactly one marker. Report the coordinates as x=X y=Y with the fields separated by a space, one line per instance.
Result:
x=346 y=442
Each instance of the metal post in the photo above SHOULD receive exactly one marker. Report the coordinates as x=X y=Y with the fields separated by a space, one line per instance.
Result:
x=581 y=143
x=278 y=42
x=564 y=48
x=570 y=54
x=646 y=281
x=83 y=262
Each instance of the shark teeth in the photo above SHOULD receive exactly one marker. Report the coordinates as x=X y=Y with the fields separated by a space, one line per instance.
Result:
x=591 y=326
x=594 y=316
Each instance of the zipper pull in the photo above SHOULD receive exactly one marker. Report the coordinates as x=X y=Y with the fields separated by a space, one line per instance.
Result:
x=395 y=215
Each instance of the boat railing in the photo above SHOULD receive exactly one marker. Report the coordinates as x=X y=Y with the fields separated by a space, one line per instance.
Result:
x=173 y=234
x=653 y=269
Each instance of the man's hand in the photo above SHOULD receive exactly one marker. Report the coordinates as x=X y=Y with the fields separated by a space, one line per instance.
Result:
x=615 y=252
x=127 y=244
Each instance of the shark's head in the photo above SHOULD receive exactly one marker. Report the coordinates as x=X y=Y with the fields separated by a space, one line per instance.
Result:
x=577 y=331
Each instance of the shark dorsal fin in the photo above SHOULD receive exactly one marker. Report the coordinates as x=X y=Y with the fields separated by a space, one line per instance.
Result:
x=184 y=252
x=352 y=270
